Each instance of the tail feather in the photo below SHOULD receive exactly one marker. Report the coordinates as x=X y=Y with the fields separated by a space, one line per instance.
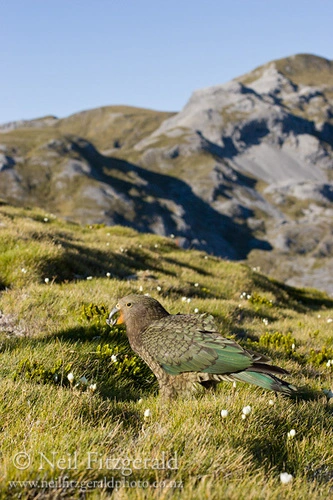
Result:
x=266 y=381
x=265 y=376
x=270 y=369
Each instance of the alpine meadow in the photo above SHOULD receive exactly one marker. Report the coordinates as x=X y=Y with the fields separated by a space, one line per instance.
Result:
x=80 y=412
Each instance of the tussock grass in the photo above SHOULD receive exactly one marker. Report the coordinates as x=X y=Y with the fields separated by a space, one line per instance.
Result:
x=71 y=432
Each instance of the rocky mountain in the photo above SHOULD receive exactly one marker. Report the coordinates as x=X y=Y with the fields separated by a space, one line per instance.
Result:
x=243 y=171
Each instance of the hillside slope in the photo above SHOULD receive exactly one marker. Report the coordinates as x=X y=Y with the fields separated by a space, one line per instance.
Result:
x=58 y=283
x=244 y=171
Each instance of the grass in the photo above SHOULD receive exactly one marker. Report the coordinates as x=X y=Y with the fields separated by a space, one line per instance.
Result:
x=59 y=281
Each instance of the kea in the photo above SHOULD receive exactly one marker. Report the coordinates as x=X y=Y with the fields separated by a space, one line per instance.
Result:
x=186 y=352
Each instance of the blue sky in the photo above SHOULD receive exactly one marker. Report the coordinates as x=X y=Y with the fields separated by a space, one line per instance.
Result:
x=60 y=57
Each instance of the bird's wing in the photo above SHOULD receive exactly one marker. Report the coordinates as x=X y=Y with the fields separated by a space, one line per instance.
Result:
x=191 y=343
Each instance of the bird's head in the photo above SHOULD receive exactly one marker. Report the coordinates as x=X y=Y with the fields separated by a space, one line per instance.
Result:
x=137 y=312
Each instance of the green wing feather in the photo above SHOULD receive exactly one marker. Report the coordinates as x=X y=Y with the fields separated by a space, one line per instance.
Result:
x=191 y=343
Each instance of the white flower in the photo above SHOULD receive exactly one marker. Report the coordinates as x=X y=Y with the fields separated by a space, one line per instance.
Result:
x=188 y=301
x=293 y=346
x=172 y=235
x=248 y=296
x=206 y=257
x=319 y=316
x=246 y=410
x=234 y=385
x=70 y=377
x=243 y=416
x=265 y=321
x=285 y=477
x=23 y=270
x=271 y=402
x=196 y=284
x=329 y=320
x=184 y=299
x=108 y=275
x=89 y=277
x=328 y=364
x=108 y=244
x=93 y=387
x=47 y=280
x=147 y=413
x=291 y=433
x=46 y=219
x=224 y=413
x=196 y=310
x=140 y=400
x=83 y=380
x=140 y=288
x=158 y=288
x=113 y=358
x=156 y=245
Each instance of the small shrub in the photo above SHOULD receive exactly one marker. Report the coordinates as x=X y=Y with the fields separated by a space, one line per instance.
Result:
x=283 y=341
x=37 y=372
x=125 y=365
x=93 y=312
x=96 y=315
x=318 y=358
x=259 y=300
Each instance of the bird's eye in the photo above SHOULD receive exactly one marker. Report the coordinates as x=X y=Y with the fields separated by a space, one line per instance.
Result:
x=129 y=304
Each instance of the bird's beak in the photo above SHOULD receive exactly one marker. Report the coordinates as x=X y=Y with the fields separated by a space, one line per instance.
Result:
x=112 y=320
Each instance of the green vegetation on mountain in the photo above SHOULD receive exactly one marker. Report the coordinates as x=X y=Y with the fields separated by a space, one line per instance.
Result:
x=306 y=69
x=78 y=405
x=113 y=127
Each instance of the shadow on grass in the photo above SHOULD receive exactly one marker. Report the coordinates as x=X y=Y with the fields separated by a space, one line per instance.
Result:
x=309 y=298
x=300 y=299
x=3 y=284
x=180 y=263
x=242 y=314
x=274 y=450
x=80 y=261
x=127 y=379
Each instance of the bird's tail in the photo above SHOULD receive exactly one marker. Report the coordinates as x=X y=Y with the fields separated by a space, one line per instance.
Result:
x=266 y=381
x=259 y=374
x=272 y=382
x=266 y=376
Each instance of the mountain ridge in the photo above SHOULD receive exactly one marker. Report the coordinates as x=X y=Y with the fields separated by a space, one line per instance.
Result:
x=243 y=171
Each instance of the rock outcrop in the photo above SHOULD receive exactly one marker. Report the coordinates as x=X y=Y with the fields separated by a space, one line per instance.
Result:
x=243 y=171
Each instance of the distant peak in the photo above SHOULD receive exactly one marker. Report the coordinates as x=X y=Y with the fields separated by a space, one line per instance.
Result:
x=307 y=69
x=300 y=69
